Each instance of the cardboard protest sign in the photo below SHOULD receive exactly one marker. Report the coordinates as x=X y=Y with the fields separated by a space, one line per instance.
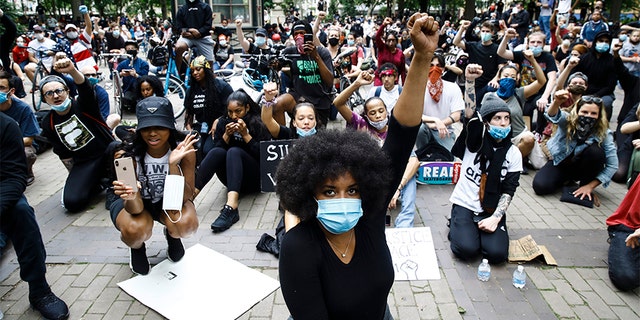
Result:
x=526 y=249
x=439 y=172
x=271 y=153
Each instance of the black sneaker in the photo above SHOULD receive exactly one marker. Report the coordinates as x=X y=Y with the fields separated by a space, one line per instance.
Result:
x=175 y=249
x=50 y=306
x=228 y=216
x=138 y=261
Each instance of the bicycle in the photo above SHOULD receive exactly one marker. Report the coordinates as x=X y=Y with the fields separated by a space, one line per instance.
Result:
x=118 y=93
x=174 y=88
x=41 y=72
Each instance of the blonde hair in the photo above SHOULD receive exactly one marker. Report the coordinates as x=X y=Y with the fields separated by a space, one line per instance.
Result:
x=601 y=125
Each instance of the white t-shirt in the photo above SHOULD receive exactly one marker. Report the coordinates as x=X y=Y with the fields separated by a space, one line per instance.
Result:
x=389 y=97
x=46 y=44
x=152 y=182
x=465 y=193
x=450 y=101
x=564 y=6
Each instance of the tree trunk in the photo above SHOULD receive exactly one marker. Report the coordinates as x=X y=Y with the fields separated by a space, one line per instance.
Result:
x=76 y=16
x=616 y=7
x=469 y=9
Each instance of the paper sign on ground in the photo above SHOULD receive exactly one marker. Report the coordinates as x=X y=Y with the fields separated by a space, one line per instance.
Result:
x=203 y=285
x=413 y=253
x=526 y=249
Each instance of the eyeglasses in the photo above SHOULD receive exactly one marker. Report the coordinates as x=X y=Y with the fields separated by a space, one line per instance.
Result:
x=589 y=99
x=392 y=40
x=50 y=93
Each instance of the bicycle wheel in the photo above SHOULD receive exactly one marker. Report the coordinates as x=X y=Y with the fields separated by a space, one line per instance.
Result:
x=36 y=100
x=117 y=93
x=176 y=93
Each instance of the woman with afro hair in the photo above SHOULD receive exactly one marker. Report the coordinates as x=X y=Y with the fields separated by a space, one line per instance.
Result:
x=335 y=264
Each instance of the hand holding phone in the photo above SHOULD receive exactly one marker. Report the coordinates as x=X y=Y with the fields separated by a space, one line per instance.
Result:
x=126 y=173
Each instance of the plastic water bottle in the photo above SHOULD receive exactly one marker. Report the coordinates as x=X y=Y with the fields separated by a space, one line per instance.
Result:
x=519 y=277
x=484 y=270
x=204 y=128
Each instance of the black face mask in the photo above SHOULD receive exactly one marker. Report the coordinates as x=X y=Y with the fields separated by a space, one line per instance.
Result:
x=333 y=41
x=133 y=53
x=585 y=127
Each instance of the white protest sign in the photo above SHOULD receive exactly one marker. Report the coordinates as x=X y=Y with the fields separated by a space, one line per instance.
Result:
x=413 y=253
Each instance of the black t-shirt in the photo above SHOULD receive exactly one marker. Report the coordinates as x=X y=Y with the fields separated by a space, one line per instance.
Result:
x=316 y=284
x=113 y=42
x=263 y=64
x=208 y=106
x=80 y=134
x=487 y=57
x=306 y=80
x=527 y=74
x=223 y=53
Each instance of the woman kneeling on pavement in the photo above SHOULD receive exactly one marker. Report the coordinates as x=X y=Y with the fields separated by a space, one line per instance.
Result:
x=491 y=167
x=157 y=154
x=582 y=148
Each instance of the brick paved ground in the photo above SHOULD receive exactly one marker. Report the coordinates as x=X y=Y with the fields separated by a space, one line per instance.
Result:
x=86 y=258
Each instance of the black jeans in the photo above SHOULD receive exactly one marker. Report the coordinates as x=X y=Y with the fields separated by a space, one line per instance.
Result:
x=583 y=167
x=467 y=241
x=624 y=262
x=82 y=182
x=19 y=223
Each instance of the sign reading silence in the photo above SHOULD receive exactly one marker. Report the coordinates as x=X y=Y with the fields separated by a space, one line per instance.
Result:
x=271 y=153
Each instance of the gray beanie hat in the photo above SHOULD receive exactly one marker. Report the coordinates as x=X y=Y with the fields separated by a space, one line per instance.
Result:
x=492 y=104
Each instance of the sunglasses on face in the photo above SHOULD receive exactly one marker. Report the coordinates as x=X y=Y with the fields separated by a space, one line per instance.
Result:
x=589 y=99
x=50 y=93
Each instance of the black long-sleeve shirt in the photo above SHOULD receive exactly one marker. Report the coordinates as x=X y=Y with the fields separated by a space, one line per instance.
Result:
x=316 y=284
x=600 y=70
x=13 y=163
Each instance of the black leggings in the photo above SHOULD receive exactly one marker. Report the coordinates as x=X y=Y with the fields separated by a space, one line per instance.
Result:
x=235 y=167
x=583 y=167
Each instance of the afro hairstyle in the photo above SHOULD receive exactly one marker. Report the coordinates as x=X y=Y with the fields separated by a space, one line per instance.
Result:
x=328 y=155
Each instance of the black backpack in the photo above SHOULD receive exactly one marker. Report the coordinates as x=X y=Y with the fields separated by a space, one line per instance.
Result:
x=433 y=151
x=159 y=56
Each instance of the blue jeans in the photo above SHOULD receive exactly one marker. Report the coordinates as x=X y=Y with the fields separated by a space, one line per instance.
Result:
x=216 y=66
x=624 y=262
x=425 y=135
x=544 y=21
x=408 y=205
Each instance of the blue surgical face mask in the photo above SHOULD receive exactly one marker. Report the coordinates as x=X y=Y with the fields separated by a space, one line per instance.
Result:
x=485 y=36
x=63 y=106
x=536 y=50
x=498 y=132
x=4 y=97
x=507 y=87
x=350 y=42
x=379 y=125
x=623 y=37
x=602 y=47
x=339 y=215
x=308 y=133
x=93 y=81
x=260 y=41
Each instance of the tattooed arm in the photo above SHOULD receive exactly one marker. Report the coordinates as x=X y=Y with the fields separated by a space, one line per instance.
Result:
x=490 y=224
x=472 y=72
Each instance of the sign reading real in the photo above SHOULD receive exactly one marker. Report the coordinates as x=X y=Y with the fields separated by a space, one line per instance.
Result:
x=439 y=172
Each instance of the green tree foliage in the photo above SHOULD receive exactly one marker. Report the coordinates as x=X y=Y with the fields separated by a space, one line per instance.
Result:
x=332 y=11
x=349 y=7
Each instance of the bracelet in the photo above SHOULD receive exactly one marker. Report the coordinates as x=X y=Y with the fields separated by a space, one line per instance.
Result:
x=452 y=120
x=268 y=104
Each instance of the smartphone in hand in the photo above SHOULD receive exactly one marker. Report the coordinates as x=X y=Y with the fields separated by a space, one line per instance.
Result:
x=125 y=171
